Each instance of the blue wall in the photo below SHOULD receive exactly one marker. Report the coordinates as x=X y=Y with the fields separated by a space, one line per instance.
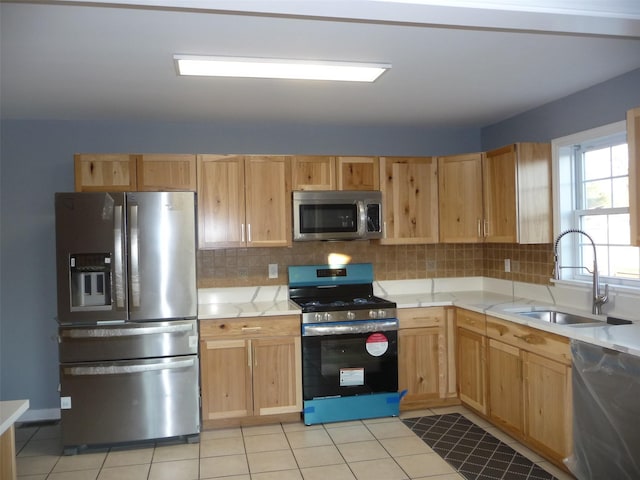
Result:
x=599 y=105
x=37 y=160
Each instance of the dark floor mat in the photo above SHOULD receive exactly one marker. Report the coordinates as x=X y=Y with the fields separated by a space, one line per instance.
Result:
x=474 y=453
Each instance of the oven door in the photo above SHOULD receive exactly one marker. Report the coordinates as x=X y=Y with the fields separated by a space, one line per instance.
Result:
x=349 y=358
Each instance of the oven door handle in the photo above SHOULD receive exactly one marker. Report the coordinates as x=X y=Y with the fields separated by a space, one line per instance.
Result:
x=344 y=328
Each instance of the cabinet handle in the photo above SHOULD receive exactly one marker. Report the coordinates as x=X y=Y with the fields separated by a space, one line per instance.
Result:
x=384 y=230
x=251 y=329
x=242 y=232
x=485 y=228
x=249 y=232
x=249 y=359
x=525 y=337
x=479 y=227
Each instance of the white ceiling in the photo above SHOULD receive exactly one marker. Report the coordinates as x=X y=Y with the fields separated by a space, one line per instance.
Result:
x=453 y=63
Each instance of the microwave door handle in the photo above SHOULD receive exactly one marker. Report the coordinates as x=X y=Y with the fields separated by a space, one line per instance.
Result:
x=118 y=257
x=362 y=218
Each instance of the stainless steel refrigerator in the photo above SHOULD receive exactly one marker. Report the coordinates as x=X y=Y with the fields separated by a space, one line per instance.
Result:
x=127 y=315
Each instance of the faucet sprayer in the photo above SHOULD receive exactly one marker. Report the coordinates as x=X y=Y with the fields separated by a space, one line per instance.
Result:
x=598 y=299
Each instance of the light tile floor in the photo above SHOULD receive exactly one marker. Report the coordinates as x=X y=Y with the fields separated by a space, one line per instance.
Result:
x=377 y=449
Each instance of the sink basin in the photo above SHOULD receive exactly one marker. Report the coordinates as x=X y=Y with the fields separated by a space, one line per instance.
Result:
x=560 y=318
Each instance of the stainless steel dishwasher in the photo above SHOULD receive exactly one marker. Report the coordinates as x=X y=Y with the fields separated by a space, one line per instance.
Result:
x=606 y=413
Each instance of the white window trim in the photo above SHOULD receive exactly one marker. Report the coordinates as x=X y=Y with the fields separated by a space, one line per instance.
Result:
x=564 y=196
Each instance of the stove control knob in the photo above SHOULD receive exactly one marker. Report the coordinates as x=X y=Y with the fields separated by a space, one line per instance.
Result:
x=318 y=317
x=373 y=314
x=328 y=317
x=382 y=314
x=351 y=315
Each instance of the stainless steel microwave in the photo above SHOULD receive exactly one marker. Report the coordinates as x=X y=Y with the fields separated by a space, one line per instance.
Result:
x=337 y=215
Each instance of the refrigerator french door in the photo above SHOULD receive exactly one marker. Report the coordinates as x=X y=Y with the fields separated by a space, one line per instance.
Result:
x=127 y=314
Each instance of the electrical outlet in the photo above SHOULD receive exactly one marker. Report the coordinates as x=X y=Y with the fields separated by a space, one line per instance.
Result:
x=507 y=264
x=273 y=270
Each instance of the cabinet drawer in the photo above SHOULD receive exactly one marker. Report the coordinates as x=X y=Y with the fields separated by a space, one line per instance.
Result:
x=421 y=317
x=543 y=343
x=251 y=326
x=476 y=322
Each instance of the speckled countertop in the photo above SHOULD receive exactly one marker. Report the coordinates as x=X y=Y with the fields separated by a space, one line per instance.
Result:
x=499 y=298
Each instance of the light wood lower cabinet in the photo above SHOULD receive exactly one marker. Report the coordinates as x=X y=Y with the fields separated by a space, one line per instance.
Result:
x=251 y=370
x=471 y=359
x=425 y=362
x=506 y=395
x=530 y=387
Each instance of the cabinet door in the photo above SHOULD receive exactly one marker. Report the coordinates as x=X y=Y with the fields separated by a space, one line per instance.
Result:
x=548 y=405
x=105 y=172
x=460 y=198
x=633 y=141
x=226 y=379
x=277 y=375
x=419 y=362
x=500 y=210
x=472 y=369
x=505 y=386
x=313 y=173
x=358 y=173
x=221 y=201
x=158 y=173
x=410 y=196
x=268 y=197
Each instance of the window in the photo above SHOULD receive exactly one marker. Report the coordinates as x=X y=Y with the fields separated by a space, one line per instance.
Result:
x=591 y=193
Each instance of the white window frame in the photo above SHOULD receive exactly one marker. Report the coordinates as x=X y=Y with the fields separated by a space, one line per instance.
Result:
x=564 y=204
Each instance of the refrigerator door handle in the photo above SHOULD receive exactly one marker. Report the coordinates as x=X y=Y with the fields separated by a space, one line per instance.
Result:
x=119 y=260
x=135 y=257
x=127 y=369
x=124 y=332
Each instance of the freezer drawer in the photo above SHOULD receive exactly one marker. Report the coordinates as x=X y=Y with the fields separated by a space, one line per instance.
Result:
x=128 y=341
x=129 y=401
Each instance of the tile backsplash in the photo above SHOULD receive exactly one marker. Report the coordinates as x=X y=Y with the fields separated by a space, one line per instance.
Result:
x=236 y=267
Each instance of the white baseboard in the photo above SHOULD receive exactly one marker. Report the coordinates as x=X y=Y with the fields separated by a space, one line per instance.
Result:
x=44 y=414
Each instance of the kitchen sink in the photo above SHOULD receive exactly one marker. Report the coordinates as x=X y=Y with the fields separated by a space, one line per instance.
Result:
x=560 y=318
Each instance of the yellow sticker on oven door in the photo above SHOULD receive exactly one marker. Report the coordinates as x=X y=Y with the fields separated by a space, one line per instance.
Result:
x=377 y=344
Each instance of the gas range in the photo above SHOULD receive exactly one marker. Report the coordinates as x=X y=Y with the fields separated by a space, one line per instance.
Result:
x=333 y=294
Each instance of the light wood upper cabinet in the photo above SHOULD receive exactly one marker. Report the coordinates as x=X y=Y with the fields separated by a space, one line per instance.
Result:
x=105 y=172
x=250 y=368
x=313 y=172
x=460 y=198
x=243 y=201
x=268 y=201
x=410 y=196
x=517 y=194
x=158 y=173
x=130 y=173
x=633 y=142
x=471 y=359
x=357 y=173
x=221 y=201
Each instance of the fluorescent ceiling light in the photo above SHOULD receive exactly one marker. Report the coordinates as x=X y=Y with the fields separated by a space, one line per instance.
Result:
x=278 y=68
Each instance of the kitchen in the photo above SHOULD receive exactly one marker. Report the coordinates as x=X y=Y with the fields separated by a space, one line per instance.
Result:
x=45 y=148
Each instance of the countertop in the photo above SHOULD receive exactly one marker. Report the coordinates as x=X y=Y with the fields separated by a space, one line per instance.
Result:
x=10 y=411
x=499 y=298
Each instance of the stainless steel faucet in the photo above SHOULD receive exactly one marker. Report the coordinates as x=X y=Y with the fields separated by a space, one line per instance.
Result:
x=598 y=299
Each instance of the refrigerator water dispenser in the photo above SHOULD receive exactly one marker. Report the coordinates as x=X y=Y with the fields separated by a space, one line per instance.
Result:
x=90 y=277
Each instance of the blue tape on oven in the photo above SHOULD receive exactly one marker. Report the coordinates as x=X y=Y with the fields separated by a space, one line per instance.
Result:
x=396 y=399
x=309 y=410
